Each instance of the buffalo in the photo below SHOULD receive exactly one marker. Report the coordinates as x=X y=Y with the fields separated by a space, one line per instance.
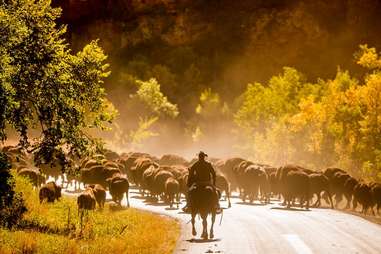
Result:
x=376 y=194
x=33 y=175
x=99 y=193
x=294 y=183
x=349 y=187
x=223 y=185
x=118 y=185
x=86 y=200
x=172 y=190
x=171 y=160
x=318 y=184
x=50 y=192
x=363 y=195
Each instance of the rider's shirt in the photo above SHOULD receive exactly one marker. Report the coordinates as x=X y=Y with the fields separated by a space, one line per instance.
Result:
x=201 y=171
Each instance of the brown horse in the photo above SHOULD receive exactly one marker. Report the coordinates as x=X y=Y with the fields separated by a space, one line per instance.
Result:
x=203 y=200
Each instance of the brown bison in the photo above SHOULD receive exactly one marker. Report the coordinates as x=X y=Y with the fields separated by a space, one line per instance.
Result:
x=223 y=185
x=118 y=185
x=363 y=194
x=99 y=193
x=330 y=172
x=348 y=190
x=183 y=180
x=254 y=181
x=171 y=160
x=226 y=167
x=376 y=194
x=141 y=165
x=147 y=183
x=337 y=185
x=86 y=200
x=33 y=175
x=111 y=155
x=160 y=178
x=50 y=192
x=294 y=183
x=319 y=183
x=274 y=184
x=239 y=173
x=98 y=174
x=172 y=191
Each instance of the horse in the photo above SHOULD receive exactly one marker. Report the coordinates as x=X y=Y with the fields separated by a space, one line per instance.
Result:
x=203 y=201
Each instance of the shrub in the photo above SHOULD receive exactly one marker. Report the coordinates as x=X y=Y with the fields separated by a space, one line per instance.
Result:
x=12 y=205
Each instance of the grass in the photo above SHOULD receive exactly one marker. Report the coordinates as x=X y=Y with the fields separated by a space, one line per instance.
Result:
x=56 y=228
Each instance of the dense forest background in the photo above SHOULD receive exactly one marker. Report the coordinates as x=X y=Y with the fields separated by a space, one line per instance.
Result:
x=180 y=72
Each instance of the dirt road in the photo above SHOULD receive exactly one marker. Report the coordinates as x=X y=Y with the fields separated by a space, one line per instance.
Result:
x=271 y=229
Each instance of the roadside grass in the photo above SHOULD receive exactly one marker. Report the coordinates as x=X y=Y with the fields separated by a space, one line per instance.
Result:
x=57 y=228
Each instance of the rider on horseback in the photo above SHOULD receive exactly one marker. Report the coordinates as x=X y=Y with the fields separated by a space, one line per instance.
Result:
x=202 y=174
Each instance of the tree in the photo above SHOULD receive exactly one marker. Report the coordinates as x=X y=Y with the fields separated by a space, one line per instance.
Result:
x=147 y=105
x=12 y=205
x=44 y=86
x=154 y=100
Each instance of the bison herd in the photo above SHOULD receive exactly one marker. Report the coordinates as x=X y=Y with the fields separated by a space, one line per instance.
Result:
x=165 y=179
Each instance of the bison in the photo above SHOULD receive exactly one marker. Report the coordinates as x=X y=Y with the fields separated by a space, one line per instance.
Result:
x=171 y=160
x=86 y=200
x=337 y=183
x=318 y=184
x=376 y=195
x=118 y=185
x=99 y=193
x=172 y=190
x=159 y=181
x=33 y=175
x=297 y=185
x=362 y=194
x=50 y=192
x=223 y=185
x=349 y=186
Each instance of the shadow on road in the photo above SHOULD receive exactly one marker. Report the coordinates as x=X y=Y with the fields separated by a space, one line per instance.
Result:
x=150 y=199
x=250 y=204
x=155 y=203
x=171 y=209
x=290 y=209
x=193 y=240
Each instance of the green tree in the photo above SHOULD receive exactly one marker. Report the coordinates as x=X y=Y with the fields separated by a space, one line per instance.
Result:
x=147 y=106
x=44 y=86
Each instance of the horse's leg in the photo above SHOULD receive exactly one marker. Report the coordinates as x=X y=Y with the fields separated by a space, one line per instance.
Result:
x=194 y=233
x=204 y=235
x=211 y=227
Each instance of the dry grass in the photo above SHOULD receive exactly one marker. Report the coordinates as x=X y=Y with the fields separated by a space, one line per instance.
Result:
x=107 y=231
